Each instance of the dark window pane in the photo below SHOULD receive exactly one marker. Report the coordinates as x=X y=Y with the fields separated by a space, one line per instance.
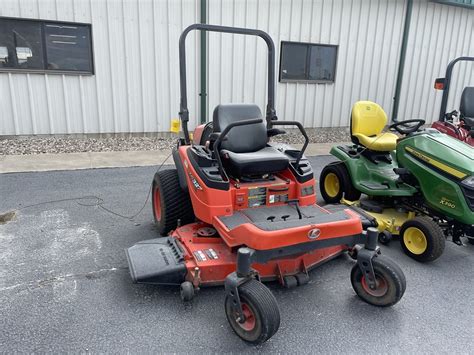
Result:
x=68 y=47
x=293 y=61
x=20 y=45
x=322 y=63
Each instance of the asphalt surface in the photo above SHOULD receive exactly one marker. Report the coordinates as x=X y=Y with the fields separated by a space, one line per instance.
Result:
x=64 y=285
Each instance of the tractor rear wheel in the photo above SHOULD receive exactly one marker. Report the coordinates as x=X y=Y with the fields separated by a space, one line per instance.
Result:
x=350 y=192
x=331 y=183
x=335 y=183
x=170 y=202
x=422 y=239
x=260 y=308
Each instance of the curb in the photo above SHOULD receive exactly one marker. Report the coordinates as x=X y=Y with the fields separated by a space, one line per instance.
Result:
x=97 y=160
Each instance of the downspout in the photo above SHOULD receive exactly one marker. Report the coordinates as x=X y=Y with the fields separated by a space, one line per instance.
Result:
x=203 y=71
x=401 y=64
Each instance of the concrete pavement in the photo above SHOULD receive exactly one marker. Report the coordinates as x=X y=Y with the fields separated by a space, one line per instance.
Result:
x=65 y=287
x=94 y=160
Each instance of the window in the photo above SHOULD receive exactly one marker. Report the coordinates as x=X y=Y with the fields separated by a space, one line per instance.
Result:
x=33 y=45
x=308 y=62
x=469 y=4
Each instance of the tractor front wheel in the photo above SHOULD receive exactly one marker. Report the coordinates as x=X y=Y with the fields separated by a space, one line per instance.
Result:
x=390 y=282
x=422 y=239
x=260 y=308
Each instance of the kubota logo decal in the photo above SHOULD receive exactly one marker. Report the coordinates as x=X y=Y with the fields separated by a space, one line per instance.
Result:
x=314 y=233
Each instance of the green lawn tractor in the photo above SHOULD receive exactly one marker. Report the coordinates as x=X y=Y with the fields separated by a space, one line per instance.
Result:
x=419 y=187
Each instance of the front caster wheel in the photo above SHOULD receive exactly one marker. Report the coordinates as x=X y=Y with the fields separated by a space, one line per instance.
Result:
x=390 y=282
x=262 y=316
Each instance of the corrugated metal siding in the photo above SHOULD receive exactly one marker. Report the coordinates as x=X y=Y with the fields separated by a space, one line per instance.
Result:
x=135 y=87
x=438 y=34
x=368 y=33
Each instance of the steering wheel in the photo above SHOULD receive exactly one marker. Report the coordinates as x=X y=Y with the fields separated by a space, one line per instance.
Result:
x=405 y=127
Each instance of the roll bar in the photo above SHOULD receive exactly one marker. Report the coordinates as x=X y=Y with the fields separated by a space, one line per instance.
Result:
x=183 y=111
x=446 y=83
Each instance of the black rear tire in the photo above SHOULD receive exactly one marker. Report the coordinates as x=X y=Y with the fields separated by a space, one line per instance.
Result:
x=433 y=238
x=335 y=182
x=391 y=282
x=331 y=183
x=350 y=192
x=262 y=312
x=170 y=202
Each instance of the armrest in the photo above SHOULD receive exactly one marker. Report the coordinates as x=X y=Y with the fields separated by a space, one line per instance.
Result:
x=213 y=136
x=271 y=132
x=303 y=132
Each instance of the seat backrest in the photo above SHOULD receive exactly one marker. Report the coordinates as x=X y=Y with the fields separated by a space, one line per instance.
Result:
x=367 y=118
x=466 y=108
x=240 y=139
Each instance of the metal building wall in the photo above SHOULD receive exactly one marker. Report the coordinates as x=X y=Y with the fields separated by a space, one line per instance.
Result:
x=368 y=32
x=438 y=34
x=135 y=87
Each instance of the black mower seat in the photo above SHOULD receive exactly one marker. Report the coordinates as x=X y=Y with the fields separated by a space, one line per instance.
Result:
x=466 y=108
x=244 y=151
x=264 y=161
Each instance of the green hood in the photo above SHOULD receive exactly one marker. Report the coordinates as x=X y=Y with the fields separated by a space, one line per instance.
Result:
x=450 y=152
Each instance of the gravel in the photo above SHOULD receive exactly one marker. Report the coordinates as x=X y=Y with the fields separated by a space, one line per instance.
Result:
x=54 y=145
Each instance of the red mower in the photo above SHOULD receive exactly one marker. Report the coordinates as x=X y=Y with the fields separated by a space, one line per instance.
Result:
x=238 y=210
x=460 y=124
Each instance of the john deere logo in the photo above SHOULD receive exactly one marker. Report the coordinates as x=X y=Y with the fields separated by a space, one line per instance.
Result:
x=314 y=234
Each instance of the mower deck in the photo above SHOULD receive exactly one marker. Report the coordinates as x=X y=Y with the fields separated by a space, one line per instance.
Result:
x=197 y=253
x=281 y=217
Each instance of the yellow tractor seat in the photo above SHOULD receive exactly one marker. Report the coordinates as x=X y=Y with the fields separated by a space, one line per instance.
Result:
x=367 y=123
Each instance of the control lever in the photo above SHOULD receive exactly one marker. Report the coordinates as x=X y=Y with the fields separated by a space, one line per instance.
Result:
x=295 y=202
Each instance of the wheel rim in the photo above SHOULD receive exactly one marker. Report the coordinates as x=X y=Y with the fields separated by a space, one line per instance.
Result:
x=381 y=286
x=157 y=203
x=332 y=184
x=249 y=323
x=415 y=240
